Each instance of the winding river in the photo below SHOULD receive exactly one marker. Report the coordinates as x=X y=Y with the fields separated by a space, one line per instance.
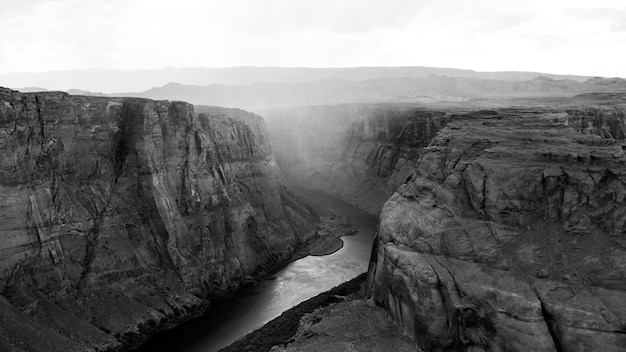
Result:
x=252 y=307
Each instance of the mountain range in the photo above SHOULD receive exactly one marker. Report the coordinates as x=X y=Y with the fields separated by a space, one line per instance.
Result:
x=272 y=87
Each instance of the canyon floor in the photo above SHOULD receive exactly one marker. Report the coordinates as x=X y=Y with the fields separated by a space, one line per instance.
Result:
x=338 y=320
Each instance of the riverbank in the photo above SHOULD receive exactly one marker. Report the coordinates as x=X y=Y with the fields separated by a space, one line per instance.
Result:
x=328 y=238
x=282 y=329
x=326 y=241
x=333 y=226
x=336 y=320
x=275 y=288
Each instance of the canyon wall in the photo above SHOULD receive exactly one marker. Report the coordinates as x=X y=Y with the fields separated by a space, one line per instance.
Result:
x=360 y=153
x=120 y=215
x=510 y=234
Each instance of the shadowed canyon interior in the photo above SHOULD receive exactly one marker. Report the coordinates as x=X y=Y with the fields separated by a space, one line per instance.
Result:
x=501 y=225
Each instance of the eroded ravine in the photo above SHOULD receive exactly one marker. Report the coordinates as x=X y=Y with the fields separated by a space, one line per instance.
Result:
x=254 y=306
x=120 y=217
x=506 y=228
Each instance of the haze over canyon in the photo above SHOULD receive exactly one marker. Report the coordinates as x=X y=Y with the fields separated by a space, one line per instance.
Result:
x=303 y=176
x=497 y=200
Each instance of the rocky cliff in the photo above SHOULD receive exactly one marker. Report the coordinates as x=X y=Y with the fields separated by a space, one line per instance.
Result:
x=118 y=215
x=361 y=153
x=510 y=234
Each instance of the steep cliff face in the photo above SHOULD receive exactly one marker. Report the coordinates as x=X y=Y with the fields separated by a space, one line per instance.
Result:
x=509 y=235
x=606 y=121
x=118 y=215
x=358 y=152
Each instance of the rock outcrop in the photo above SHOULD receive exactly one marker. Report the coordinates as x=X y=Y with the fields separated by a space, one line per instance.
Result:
x=119 y=215
x=360 y=153
x=510 y=234
x=350 y=326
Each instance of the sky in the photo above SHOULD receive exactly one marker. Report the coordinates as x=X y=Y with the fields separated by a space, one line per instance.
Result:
x=553 y=36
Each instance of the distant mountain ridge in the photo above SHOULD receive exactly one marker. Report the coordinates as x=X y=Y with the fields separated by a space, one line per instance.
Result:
x=106 y=80
x=397 y=90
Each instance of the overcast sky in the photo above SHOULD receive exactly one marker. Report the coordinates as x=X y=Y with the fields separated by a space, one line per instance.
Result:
x=567 y=37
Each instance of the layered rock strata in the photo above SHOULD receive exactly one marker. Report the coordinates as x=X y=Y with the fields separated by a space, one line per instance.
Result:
x=509 y=235
x=360 y=153
x=119 y=215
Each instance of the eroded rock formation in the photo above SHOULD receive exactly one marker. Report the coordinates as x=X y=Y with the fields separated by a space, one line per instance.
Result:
x=510 y=235
x=360 y=153
x=119 y=215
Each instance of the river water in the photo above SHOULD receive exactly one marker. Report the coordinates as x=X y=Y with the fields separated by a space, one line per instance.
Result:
x=252 y=307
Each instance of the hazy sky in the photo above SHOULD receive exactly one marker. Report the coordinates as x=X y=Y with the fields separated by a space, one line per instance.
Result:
x=577 y=37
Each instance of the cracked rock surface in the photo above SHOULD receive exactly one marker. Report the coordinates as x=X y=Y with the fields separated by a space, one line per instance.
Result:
x=509 y=235
x=119 y=216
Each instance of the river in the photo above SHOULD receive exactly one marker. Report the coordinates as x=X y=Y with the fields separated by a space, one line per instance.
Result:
x=252 y=307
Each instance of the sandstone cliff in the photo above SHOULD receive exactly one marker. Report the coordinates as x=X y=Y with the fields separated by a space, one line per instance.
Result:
x=510 y=234
x=119 y=215
x=360 y=153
